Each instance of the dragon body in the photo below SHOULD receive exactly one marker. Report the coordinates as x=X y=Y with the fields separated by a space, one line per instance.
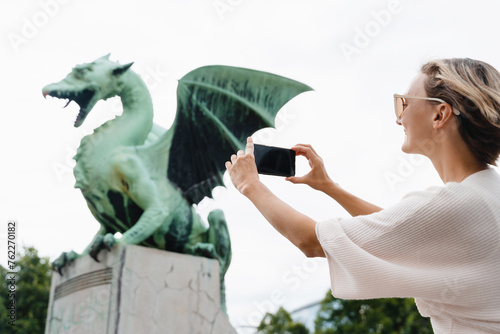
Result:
x=142 y=180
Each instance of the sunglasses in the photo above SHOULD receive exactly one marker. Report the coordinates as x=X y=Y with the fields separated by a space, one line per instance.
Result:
x=400 y=103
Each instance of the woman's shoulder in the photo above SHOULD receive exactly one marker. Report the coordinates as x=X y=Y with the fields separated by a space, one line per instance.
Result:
x=481 y=185
x=459 y=202
x=488 y=180
x=476 y=199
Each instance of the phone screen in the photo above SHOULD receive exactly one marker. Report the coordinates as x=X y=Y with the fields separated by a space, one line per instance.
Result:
x=276 y=161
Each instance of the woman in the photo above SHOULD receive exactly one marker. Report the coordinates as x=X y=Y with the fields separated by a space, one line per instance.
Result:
x=440 y=246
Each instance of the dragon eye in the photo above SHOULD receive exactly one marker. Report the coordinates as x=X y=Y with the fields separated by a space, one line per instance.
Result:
x=80 y=71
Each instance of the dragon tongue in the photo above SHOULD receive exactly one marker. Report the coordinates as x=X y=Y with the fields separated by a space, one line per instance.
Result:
x=78 y=121
x=80 y=117
x=67 y=104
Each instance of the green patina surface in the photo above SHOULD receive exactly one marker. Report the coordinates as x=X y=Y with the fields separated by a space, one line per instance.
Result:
x=142 y=180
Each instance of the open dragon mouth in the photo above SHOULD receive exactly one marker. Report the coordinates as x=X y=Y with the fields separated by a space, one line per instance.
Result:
x=82 y=98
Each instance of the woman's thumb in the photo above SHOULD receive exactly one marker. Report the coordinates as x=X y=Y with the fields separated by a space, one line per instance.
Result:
x=294 y=179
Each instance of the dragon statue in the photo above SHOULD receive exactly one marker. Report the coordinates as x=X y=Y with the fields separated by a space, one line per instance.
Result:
x=142 y=180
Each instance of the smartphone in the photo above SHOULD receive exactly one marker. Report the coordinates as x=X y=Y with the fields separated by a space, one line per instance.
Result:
x=275 y=161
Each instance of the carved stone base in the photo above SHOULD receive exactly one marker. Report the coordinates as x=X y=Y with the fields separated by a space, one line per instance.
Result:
x=137 y=290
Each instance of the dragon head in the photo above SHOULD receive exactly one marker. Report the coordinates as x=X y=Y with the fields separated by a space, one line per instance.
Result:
x=88 y=83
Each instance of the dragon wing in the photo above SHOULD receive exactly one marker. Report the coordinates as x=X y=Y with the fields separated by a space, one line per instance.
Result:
x=218 y=107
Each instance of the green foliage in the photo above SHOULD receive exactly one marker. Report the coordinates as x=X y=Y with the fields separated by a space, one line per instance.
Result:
x=338 y=316
x=31 y=294
x=390 y=315
x=282 y=323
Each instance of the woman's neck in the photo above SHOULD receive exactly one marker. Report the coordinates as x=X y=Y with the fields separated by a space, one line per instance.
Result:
x=456 y=163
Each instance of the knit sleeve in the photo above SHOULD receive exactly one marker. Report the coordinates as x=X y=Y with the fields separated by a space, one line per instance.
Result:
x=412 y=249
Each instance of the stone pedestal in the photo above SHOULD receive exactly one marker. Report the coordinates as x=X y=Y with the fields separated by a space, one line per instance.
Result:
x=137 y=290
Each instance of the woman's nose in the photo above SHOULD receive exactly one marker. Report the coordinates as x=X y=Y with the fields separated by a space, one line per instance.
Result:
x=398 y=121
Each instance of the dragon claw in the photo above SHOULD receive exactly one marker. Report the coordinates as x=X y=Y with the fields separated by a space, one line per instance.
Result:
x=59 y=263
x=94 y=256
x=205 y=250
x=63 y=260
x=101 y=242
x=109 y=241
x=96 y=247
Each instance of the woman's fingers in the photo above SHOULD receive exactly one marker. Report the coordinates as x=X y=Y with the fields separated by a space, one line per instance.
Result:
x=242 y=169
x=249 y=148
x=305 y=146
x=308 y=152
x=305 y=150
x=317 y=176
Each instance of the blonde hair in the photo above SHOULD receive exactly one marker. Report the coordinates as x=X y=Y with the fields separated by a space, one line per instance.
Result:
x=473 y=88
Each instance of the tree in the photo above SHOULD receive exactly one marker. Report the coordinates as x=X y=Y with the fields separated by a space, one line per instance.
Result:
x=32 y=288
x=338 y=316
x=281 y=323
x=390 y=315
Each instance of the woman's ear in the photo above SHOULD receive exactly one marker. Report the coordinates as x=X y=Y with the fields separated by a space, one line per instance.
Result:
x=442 y=116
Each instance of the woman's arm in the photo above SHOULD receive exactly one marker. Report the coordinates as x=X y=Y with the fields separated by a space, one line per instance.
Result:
x=295 y=226
x=352 y=204
x=318 y=179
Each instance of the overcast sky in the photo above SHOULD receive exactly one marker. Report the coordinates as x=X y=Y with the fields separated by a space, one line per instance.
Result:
x=355 y=54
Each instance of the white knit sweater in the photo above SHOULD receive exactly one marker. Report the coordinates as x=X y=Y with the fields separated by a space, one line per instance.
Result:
x=440 y=246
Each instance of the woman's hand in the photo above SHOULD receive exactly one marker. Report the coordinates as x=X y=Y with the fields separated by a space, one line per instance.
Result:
x=317 y=178
x=242 y=168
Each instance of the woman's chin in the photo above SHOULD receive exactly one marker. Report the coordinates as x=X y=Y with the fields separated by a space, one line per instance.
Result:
x=406 y=148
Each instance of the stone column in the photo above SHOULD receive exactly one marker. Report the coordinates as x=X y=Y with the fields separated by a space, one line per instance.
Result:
x=136 y=289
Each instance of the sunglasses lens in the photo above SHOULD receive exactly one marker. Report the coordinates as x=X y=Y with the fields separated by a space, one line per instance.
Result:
x=398 y=106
